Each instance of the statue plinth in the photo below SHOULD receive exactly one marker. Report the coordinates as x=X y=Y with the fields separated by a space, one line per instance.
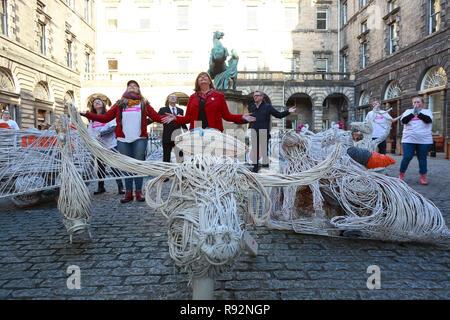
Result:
x=237 y=104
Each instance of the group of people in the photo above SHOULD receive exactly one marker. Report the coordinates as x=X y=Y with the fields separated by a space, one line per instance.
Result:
x=416 y=138
x=128 y=118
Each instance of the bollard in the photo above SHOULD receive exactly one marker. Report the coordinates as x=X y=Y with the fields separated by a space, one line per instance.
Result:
x=202 y=289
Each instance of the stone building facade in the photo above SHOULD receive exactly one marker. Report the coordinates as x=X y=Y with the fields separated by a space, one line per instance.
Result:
x=399 y=49
x=45 y=47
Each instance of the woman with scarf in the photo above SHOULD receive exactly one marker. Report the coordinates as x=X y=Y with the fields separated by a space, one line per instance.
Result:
x=208 y=106
x=131 y=113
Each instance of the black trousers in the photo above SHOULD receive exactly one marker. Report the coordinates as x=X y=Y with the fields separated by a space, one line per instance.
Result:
x=167 y=149
x=260 y=144
x=381 y=146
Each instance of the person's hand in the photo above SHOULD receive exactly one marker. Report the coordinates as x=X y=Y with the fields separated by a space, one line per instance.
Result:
x=168 y=118
x=83 y=113
x=292 y=109
x=416 y=110
x=248 y=117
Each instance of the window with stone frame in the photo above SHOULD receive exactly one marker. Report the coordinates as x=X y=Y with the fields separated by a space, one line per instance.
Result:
x=182 y=17
x=344 y=61
x=322 y=19
x=363 y=26
x=363 y=54
x=322 y=65
x=4 y=16
x=392 y=4
x=87 y=10
x=344 y=13
x=69 y=54
x=434 y=16
x=111 y=18
x=113 y=65
x=252 y=17
x=42 y=38
x=392 y=37
x=87 y=59
x=363 y=3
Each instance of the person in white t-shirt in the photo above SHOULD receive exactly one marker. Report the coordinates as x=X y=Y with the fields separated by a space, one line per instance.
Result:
x=104 y=132
x=7 y=121
x=381 y=121
x=417 y=137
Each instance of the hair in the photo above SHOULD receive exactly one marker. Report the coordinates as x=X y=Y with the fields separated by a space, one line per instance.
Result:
x=5 y=111
x=197 y=87
x=418 y=97
x=259 y=91
x=167 y=98
x=103 y=104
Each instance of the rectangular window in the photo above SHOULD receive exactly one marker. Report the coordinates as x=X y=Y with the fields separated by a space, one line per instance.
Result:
x=4 y=17
x=435 y=15
x=217 y=18
x=290 y=18
x=363 y=26
x=392 y=37
x=362 y=3
x=88 y=63
x=344 y=14
x=322 y=65
x=182 y=17
x=42 y=39
x=43 y=119
x=183 y=64
x=363 y=54
x=111 y=19
x=322 y=19
x=252 y=18
x=393 y=4
x=112 y=65
x=344 y=63
x=87 y=10
x=435 y=106
x=69 y=53
x=144 y=21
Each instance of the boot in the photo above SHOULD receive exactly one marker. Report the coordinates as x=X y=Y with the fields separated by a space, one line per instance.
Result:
x=139 y=196
x=423 y=179
x=128 y=196
x=401 y=176
x=120 y=188
x=101 y=187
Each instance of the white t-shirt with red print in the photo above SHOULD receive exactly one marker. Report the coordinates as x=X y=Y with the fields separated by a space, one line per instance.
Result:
x=380 y=122
x=131 y=124
x=417 y=131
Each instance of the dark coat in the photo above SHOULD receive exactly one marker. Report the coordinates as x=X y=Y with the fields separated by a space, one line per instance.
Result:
x=262 y=115
x=170 y=127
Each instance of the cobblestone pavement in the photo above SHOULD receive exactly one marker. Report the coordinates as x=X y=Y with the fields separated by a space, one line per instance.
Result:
x=128 y=256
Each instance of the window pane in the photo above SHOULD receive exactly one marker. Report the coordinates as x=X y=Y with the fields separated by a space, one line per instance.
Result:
x=112 y=65
x=321 y=65
x=183 y=17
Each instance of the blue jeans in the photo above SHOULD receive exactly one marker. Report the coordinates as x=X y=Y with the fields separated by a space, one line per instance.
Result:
x=408 y=153
x=136 y=150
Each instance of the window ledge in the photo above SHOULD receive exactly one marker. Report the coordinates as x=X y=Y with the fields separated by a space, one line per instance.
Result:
x=393 y=12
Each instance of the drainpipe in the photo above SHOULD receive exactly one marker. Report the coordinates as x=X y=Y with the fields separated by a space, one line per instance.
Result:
x=339 y=37
x=284 y=118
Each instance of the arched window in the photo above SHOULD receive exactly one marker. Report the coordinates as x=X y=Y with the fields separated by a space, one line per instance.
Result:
x=435 y=77
x=432 y=86
x=6 y=82
x=41 y=92
x=364 y=99
x=393 y=90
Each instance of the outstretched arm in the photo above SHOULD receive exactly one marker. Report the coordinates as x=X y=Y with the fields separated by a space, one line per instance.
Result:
x=104 y=118
x=278 y=114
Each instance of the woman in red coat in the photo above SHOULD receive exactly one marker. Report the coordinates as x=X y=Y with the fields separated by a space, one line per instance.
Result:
x=207 y=106
x=131 y=114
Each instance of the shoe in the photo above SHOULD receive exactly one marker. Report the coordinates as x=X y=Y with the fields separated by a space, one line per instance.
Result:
x=139 y=196
x=101 y=187
x=401 y=176
x=255 y=169
x=423 y=179
x=128 y=196
x=120 y=188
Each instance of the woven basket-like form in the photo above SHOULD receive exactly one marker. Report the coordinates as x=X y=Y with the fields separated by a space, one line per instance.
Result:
x=210 y=141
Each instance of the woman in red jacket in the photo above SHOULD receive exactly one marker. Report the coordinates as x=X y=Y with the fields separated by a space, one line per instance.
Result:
x=131 y=114
x=208 y=106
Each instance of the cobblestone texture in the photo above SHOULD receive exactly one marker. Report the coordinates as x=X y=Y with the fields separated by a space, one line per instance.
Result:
x=128 y=257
